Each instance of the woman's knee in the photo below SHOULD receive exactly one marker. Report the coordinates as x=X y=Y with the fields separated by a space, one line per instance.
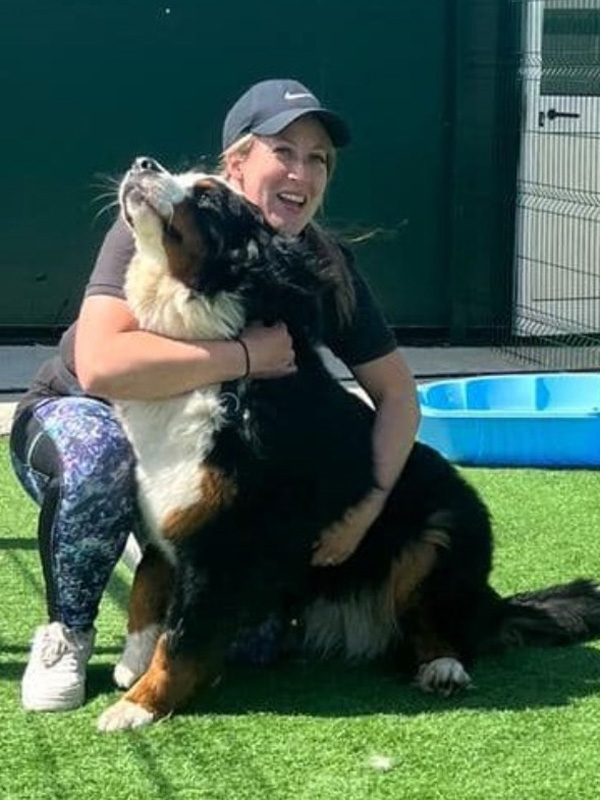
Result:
x=89 y=441
x=79 y=443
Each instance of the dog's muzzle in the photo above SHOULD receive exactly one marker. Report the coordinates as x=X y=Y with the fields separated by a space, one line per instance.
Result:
x=148 y=183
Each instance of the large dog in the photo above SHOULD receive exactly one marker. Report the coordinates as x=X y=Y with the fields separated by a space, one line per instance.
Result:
x=236 y=482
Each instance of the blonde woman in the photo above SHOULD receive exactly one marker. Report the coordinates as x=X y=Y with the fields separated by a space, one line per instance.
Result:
x=67 y=447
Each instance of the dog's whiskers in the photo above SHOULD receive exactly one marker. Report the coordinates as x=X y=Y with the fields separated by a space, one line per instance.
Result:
x=107 y=181
x=114 y=198
x=111 y=186
x=105 y=208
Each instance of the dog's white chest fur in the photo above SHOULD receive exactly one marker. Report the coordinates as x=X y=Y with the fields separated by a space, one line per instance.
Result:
x=172 y=436
x=162 y=304
x=171 y=439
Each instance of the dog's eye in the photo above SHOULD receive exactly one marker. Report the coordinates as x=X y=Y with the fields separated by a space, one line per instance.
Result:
x=173 y=234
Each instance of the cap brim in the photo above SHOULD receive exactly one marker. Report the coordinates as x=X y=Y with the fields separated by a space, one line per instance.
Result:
x=337 y=129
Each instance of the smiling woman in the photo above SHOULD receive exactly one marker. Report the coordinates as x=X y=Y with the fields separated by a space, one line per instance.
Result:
x=279 y=151
x=67 y=444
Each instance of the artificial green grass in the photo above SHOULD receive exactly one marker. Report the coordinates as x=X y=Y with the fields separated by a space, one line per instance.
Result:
x=527 y=731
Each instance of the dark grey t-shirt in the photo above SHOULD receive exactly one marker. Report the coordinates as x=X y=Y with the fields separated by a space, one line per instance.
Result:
x=365 y=337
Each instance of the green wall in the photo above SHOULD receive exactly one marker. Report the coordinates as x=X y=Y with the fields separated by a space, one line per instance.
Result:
x=87 y=86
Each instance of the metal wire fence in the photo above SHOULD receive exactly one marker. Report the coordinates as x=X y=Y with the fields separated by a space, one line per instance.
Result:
x=555 y=316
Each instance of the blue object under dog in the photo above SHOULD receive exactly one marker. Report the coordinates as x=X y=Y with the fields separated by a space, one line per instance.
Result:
x=533 y=420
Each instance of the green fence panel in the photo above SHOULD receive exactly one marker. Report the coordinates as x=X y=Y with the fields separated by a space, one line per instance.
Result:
x=87 y=86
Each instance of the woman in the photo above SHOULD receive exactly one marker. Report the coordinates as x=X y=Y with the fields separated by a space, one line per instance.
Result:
x=69 y=450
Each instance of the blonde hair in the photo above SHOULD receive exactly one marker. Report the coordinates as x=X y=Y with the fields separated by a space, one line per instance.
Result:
x=243 y=146
x=324 y=242
x=240 y=148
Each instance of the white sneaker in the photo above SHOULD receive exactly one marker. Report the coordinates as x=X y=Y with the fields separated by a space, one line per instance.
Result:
x=54 y=679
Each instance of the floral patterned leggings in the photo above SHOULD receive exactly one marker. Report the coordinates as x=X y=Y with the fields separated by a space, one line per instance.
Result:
x=72 y=457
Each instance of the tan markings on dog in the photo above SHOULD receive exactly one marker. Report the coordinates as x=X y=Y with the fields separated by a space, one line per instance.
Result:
x=150 y=591
x=185 y=246
x=206 y=184
x=169 y=682
x=217 y=492
x=413 y=565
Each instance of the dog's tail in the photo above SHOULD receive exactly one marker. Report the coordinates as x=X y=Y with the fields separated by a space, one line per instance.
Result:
x=559 y=615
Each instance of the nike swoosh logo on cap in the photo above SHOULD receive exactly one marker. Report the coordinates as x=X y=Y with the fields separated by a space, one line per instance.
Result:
x=295 y=95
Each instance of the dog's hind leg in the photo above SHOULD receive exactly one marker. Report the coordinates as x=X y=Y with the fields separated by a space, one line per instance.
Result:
x=440 y=669
x=148 y=603
x=438 y=666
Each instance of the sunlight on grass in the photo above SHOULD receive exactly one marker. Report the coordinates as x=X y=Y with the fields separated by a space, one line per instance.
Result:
x=323 y=732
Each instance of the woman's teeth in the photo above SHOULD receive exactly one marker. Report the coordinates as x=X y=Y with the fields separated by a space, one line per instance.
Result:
x=289 y=197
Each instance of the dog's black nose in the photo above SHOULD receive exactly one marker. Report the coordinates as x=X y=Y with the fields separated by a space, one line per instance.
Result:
x=146 y=164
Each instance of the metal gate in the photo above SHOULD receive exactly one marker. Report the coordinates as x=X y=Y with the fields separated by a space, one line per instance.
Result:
x=557 y=253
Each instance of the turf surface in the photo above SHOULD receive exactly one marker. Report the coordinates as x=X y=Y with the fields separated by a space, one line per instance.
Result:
x=529 y=730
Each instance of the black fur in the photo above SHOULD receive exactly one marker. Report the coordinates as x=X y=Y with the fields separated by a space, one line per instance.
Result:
x=299 y=454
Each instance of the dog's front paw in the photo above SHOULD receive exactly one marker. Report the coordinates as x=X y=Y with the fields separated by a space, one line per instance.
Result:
x=136 y=657
x=444 y=676
x=124 y=715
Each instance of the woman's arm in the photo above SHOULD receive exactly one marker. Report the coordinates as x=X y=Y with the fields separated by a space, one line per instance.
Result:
x=390 y=385
x=114 y=359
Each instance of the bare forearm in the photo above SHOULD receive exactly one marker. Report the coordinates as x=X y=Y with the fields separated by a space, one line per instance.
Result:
x=396 y=422
x=141 y=365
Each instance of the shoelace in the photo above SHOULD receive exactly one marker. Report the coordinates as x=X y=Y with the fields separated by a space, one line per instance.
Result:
x=54 y=645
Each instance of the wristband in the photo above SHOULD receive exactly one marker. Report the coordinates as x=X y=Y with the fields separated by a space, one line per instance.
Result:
x=240 y=341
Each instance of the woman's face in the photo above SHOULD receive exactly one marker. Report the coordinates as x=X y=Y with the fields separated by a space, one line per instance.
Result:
x=286 y=175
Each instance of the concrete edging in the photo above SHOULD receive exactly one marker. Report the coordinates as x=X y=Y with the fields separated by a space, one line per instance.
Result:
x=6 y=414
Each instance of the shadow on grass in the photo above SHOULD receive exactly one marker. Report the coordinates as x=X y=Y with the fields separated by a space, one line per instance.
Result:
x=18 y=543
x=516 y=681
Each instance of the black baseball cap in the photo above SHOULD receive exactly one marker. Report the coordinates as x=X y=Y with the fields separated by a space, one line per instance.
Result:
x=270 y=106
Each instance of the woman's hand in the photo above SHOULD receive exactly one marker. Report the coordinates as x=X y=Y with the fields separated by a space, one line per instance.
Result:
x=270 y=350
x=341 y=539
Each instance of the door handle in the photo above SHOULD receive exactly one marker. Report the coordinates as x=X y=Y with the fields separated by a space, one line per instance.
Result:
x=552 y=113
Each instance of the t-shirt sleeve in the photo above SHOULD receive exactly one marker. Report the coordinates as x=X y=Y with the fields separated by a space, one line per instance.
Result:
x=108 y=278
x=366 y=335
x=108 y=275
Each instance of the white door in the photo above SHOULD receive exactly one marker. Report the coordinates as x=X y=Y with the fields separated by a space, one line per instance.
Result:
x=558 y=203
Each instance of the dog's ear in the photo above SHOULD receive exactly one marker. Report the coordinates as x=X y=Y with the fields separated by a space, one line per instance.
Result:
x=280 y=276
x=234 y=218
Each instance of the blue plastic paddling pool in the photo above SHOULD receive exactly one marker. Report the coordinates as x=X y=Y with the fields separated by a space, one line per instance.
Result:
x=538 y=420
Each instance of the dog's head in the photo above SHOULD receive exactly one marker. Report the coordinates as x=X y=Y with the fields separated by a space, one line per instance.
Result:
x=213 y=241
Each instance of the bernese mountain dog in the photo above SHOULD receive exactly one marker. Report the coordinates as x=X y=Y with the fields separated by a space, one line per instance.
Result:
x=237 y=481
